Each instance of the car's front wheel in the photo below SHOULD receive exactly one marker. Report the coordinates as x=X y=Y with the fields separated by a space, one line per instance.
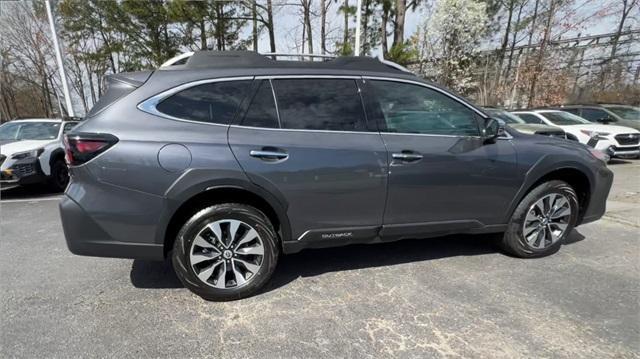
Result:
x=226 y=251
x=542 y=220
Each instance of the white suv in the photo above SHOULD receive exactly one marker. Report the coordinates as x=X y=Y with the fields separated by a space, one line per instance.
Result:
x=615 y=141
x=32 y=151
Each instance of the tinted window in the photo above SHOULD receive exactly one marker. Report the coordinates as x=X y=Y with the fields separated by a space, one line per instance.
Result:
x=628 y=113
x=262 y=110
x=593 y=114
x=215 y=102
x=528 y=118
x=320 y=104
x=416 y=109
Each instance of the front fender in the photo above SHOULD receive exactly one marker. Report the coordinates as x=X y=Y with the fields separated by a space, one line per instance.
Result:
x=545 y=165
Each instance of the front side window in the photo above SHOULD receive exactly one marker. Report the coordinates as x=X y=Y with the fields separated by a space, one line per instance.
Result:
x=214 y=102
x=411 y=108
x=320 y=104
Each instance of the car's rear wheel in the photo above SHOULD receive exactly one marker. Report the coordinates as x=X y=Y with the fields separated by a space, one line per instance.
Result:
x=542 y=220
x=59 y=178
x=225 y=252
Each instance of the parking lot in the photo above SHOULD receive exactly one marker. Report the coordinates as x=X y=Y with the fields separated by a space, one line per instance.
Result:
x=455 y=296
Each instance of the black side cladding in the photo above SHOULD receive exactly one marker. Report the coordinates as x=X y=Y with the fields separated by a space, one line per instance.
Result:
x=118 y=86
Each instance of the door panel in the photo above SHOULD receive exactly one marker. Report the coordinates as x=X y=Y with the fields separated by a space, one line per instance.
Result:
x=329 y=180
x=440 y=168
x=315 y=151
x=457 y=179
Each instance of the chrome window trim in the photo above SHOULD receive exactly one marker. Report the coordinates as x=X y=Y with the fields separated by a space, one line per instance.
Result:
x=427 y=135
x=304 y=130
x=149 y=105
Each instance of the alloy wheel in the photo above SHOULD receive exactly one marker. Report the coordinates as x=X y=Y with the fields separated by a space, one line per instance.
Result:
x=226 y=254
x=547 y=220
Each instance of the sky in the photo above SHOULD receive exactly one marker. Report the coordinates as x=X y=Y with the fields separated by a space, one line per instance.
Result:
x=288 y=27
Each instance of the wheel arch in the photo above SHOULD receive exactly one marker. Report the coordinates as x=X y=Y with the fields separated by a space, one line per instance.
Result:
x=56 y=154
x=244 y=193
x=578 y=178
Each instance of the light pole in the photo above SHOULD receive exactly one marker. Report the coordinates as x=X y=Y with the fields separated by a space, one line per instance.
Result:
x=63 y=76
x=358 y=15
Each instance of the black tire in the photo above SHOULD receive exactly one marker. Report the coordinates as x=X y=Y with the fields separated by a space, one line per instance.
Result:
x=59 y=178
x=513 y=240
x=233 y=211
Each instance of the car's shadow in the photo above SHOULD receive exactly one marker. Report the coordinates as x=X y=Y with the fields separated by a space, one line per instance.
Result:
x=619 y=161
x=314 y=262
x=33 y=191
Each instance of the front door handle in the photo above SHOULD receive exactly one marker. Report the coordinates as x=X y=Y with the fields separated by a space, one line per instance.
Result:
x=406 y=156
x=268 y=155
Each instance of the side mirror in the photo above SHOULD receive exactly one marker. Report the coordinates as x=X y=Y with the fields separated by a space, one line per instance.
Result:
x=493 y=129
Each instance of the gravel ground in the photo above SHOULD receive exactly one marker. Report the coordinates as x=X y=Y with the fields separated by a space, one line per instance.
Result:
x=445 y=297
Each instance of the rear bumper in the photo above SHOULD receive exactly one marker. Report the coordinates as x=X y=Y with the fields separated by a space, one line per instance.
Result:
x=85 y=237
x=598 y=201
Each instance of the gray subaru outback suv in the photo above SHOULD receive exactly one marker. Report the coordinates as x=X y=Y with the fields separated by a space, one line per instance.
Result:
x=229 y=160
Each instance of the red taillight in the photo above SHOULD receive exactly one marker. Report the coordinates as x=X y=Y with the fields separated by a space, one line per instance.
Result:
x=81 y=148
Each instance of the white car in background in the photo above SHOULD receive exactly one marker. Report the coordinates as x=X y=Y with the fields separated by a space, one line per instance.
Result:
x=32 y=151
x=615 y=141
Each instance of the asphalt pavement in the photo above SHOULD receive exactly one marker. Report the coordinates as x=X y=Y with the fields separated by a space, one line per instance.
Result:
x=453 y=296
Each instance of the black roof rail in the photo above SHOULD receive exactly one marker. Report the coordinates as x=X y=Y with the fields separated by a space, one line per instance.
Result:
x=249 y=59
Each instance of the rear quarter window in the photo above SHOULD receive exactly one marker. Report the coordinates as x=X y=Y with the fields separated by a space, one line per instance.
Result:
x=215 y=102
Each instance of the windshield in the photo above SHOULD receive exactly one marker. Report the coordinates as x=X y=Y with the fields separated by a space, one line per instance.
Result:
x=562 y=118
x=628 y=113
x=504 y=116
x=29 y=131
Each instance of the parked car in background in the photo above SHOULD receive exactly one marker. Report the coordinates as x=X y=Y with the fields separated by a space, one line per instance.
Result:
x=32 y=151
x=235 y=159
x=615 y=141
x=621 y=115
x=517 y=123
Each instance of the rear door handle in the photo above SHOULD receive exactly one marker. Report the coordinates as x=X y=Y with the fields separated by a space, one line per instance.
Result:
x=268 y=155
x=406 y=156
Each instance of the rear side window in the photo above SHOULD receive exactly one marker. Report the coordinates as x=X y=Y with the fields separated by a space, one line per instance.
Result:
x=320 y=104
x=214 y=102
x=593 y=114
x=262 y=109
